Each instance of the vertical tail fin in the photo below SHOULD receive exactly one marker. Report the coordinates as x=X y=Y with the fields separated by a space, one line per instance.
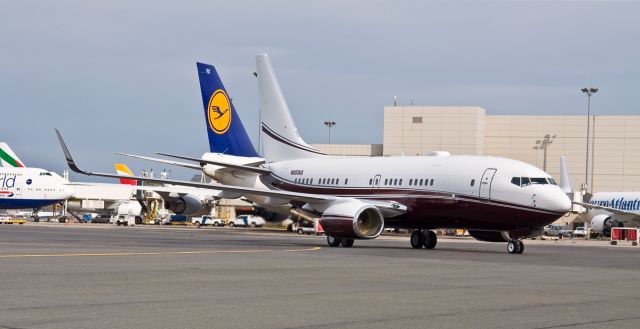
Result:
x=565 y=180
x=122 y=169
x=8 y=158
x=280 y=137
x=224 y=128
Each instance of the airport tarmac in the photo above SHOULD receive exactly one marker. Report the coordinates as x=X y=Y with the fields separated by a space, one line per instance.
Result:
x=103 y=276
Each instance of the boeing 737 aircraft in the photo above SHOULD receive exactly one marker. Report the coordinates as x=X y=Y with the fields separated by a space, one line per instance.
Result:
x=496 y=199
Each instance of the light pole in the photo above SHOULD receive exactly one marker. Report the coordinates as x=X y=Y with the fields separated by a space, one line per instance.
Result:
x=329 y=125
x=542 y=144
x=588 y=92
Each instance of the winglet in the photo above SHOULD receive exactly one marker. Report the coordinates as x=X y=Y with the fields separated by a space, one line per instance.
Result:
x=565 y=180
x=70 y=162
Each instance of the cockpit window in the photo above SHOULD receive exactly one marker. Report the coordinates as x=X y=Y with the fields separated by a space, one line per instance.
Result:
x=540 y=181
x=45 y=174
x=552 y=181
x=524 y=181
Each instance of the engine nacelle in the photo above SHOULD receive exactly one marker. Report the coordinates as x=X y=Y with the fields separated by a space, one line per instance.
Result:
x=352 y=219
x=183 y=205
x=602 y=224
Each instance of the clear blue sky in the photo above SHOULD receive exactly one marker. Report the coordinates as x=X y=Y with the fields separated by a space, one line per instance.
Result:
x=121 y=75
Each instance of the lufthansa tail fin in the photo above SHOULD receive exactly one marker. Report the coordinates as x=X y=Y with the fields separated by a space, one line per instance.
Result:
x=8 y=158
x=123 y=170
x=280 y=137
x=224 y=128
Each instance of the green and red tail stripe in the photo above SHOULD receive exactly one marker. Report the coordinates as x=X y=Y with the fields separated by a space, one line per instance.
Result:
x=6 y=157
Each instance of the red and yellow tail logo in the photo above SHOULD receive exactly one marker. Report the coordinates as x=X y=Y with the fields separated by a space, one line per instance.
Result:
x=123 y=170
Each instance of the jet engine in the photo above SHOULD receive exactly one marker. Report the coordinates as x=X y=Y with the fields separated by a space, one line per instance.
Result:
x=603 y=223
x=352 y=219
x=185 y=204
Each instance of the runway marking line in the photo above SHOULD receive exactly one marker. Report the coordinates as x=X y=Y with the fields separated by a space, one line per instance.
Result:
x=195 y=252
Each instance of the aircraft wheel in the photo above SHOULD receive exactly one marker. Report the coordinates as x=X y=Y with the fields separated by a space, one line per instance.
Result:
x=431 y=240
x=347 y=243
x=417 y=239
x=332 y=241
x=513 y=247
x=521 y=249
x=197 y=224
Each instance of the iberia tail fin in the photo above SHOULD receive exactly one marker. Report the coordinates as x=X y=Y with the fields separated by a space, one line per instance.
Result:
x=8 y=158
x=122 y=169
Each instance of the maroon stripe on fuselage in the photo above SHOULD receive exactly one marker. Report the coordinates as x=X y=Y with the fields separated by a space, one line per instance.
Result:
x=284 y=140
x=435 y=209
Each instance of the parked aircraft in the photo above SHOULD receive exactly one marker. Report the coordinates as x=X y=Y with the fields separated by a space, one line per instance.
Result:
x=229 y=145
x=497 y=199
x=606 y=210
x=22 y=187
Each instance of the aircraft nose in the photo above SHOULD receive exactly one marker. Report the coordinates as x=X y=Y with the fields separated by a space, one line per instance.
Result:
x=560 y=202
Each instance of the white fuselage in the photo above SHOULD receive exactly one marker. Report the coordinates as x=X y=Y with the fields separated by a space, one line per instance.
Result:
x=627 y=202
x=31 y=188
x=425 y=183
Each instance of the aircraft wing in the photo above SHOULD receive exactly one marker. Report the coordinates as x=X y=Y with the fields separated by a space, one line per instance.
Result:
x=609 y=209
x=276 y=194
x=169 y=162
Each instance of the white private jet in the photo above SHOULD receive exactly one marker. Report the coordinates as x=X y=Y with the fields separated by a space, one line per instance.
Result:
x=496 y=199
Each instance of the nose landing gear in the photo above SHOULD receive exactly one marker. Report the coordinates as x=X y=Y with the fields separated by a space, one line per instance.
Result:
x=515 y=247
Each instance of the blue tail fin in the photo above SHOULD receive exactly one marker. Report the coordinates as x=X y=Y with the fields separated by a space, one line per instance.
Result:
x=226 y=132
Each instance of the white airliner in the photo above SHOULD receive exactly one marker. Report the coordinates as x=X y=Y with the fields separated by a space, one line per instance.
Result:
x=496 y=199
x=613 y=209
x=607 y=209
x=22 y=187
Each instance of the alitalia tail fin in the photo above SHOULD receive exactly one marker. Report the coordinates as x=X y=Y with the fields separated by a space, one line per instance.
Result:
x=8 y=158
x=280 y=137
x=224 y=127
x=123 y=170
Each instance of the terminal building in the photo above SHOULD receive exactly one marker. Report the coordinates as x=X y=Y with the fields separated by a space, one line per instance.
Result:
x=614 y=142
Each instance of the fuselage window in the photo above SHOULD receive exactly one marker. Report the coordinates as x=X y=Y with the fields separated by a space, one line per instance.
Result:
x=386 y=180
x=473 y=182
x=421 y=180
x=370 y=181
x=431 y=181
x=410 y=182
x=346 y=180
x=311 y=181
x=400 y=181
x=395 y=181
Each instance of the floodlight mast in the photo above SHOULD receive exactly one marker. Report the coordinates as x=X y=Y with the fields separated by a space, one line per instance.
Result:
x=589 y=92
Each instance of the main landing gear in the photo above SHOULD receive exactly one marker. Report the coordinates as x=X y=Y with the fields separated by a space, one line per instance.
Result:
x=423 y=238
x=336 y=242
x=515 y=247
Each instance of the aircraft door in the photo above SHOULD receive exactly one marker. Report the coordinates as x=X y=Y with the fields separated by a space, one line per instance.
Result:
x=375 y=182
x=485 y=183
